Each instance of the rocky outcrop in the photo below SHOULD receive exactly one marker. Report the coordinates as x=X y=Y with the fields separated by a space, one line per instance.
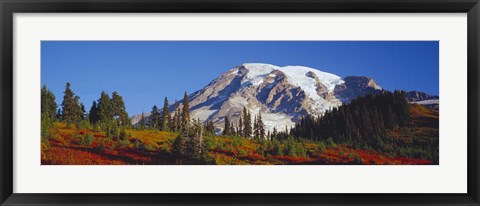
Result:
x=416 y=96
x=355 y=86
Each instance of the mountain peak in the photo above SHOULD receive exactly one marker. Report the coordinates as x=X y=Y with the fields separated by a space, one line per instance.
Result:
x=300 y=76
x=258 y=65
x=282 y=94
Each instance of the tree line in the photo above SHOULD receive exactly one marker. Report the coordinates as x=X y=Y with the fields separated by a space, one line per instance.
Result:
x=109 y=111
x=106 y=114
x=365 y=119
x=366 y=116
x=163 y=120
x=244 y=127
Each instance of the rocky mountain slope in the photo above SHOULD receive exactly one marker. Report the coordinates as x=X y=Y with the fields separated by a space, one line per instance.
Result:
x=427 y=100
x=281 y=94
x=416 y=96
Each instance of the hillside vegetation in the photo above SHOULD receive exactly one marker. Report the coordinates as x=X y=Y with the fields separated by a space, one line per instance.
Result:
x=374 y=129
x=72 y=146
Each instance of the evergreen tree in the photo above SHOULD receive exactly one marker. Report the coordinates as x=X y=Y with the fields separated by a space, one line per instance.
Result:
x=274 y=134
x=171 y=123
x=194 y=147
x=165 y=116
x=209 y=127
x=256 y=131
x=191 y=149
x=180 y=149
x=364 y=120
x=93 y=113
x=142 y=124
x=240 y=127
x=247 y=123
x=59 y=115
x=71 y=109
x=177 y=117
x=249 y=117
x=119 y=111
x=105 y=109
x=48 y=104
x=82 y=111
x=261 y=126
x=404 y=108
x=198 y=130
x=390 y=118
x=226 y=127
x=185 y=121
x=154 y=119
x=48 y=110
x=232 y=129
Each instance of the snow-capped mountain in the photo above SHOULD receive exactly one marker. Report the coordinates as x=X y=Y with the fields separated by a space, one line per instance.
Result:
x=281 y=94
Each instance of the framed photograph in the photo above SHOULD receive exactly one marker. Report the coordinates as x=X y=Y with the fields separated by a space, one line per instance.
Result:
x=239 y=102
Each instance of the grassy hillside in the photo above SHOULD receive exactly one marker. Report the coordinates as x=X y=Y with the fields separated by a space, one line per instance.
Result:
x=72 y=146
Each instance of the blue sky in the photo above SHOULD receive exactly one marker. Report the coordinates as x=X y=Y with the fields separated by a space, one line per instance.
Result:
x=144 y=72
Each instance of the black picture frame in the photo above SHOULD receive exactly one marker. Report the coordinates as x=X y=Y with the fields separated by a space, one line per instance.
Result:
x=9 y=7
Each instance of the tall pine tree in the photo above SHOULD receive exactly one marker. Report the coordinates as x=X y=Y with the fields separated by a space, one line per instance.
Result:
x=165 y=116
x=82 y=110
x=71 y=109
x=240 y=127
x=226 y=127
x=48 y=111
x=261 y=126
x=274 y=134
x=209 y=127
x=142 y=124
x=256 y=131
x=247 y=130
x=176 y=118
x=119 y=111
x=48 y=104
x=154 y=119
x=105 y=109
x=171 y=122
x=93 y=113
x=232 y=129
x=185 y=121
x=179 y=118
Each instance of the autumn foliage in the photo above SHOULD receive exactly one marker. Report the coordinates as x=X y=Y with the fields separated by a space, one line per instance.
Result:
x=68 y=146
x=105 y=136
